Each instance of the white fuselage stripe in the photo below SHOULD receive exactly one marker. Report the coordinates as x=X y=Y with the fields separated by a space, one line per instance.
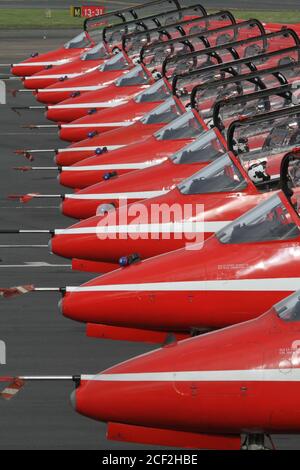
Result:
x=74 y=88
x=112 y=166
x=278 y=284
x=38 y=77
x=55 y=62
x=179 y=227
x=247 y=375
x=132 y=195
x=92 y=148
x=100 y=104
x=97 y=124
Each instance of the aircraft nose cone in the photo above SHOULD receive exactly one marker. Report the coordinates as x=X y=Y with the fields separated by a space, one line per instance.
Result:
x=117 y=401
x=67 y=246
x=74 y=308
x=79 y=208
x=78 y=245
x=117 y=309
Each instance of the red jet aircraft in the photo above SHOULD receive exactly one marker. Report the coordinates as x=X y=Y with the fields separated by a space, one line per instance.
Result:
x=205 y=392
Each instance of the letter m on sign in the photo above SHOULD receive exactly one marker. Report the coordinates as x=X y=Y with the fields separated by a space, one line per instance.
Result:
x=76 y=11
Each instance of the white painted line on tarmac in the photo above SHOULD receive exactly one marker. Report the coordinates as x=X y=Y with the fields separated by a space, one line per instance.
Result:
x=35 y=264
x=23 y=246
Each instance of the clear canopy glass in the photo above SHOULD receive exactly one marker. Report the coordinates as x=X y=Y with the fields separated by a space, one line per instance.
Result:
x=156 y=92
x=268 y=138
x=117 y=62
x=206 y=148
x=136 y=76
x=220 y=176
x=269 y=221
x=97 y=52
x=252 y=107
x=184 y=127
x=80 y=41
x=164 y=113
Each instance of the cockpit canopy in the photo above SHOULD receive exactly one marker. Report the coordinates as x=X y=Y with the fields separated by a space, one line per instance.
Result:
x=98 y=52
x=251 y=106
x=206 y=148
x=79 y=42
x=270 y=221
x=156 y=92
x=136 y=76
x=166 y=112
x=186 y=126
x=117 y=62
x=222 y=175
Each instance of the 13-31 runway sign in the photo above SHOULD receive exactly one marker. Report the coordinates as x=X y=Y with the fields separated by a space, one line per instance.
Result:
x=87 y=11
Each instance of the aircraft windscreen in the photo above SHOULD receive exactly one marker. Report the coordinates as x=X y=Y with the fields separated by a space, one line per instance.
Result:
x=289 y=308
x=269 y=221
x=98 y=52
x=266 y=44
x=133 y=45
x=155 y=56
x=164 y=113
x=206 y=97
x=113 y=35
x=156 y=92
x=78 y=42
x=184 y=127
x=136 y=76
x=184 y=65
x=206 y=148
x=117 y=62
x=223 y=90
x=185 y=84
x=220 y=176
x=230 y=112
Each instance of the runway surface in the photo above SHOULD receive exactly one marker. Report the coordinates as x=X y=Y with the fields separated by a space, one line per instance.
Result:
x=39 y=340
